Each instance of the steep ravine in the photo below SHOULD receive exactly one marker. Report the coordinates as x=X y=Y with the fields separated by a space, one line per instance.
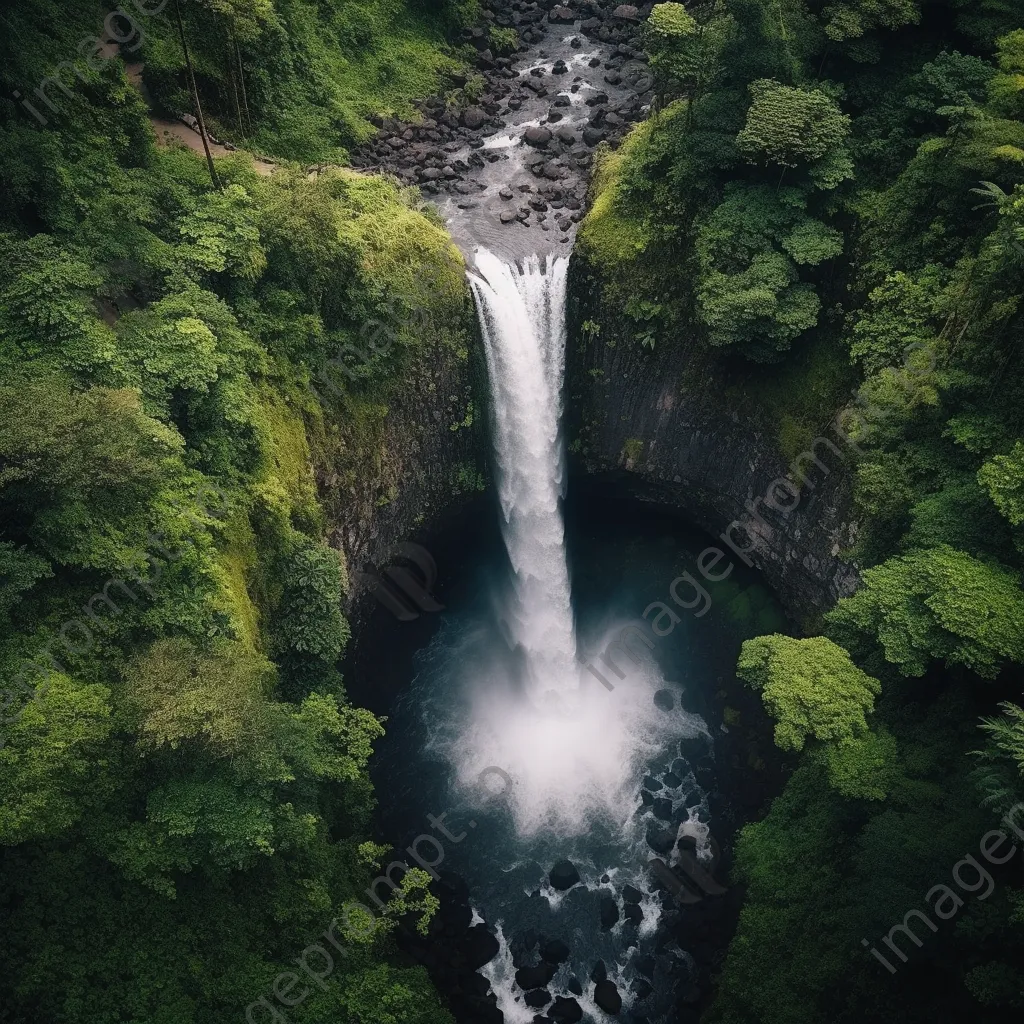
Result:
x=677 y=427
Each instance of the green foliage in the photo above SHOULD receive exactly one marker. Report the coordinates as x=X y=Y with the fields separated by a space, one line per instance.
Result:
x=793 y=127
x=183 y=782
x=937 y=603
x=810 y=687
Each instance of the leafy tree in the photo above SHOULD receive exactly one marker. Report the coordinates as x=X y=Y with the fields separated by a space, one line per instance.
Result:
x=792 y=127
x=938 y=603
x=810 y=687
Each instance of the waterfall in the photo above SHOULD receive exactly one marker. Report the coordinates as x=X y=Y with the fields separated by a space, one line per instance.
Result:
x=522 y=317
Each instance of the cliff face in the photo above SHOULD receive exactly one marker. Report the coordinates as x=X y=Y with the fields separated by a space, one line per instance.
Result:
x=679 y=426
x=389 y=470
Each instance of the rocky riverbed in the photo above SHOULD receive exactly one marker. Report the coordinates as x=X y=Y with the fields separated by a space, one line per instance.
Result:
x=506 y=155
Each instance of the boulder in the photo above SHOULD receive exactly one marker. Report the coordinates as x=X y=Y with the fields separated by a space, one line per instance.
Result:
x=607 y=997
x=564 y=874
x=631 y=894
x=561 y=15
x=507 y=216
x=661 y=840
x=534 y=977
x=474 y=117
x=600 y=972
x=537 y=998
x=554 y=952
x=664 y=699
x=481 y=946
x=662 y=809
x=626 y=12
x=566 y=1011
x=645 y=965
x=609 y=908
x=632 y=913
x=538 y=137
x=592 y=136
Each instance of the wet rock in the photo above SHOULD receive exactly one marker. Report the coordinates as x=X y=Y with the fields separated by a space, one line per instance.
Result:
x=534 y=977
x=671 y=780
x=566 y=135
x=592 y=136
x=561 y=15
x=595 y=62
x=631 y=894
x=554 y=115
x=626 y=12
x=574 y=986
x=660 y=839
x=559 y=68
x=507 y=216
x=651 y=783
x=481 y=946
x=662 y=808
x=609 y=913
x=564 y=875
x=554 y=952
x=553 y=170
x=597 y=99
x=537 y=137
x=506 y=193
x=633 y=913
x=474 y=117
x=537 y=998
x=641 y=988
x=607 y=997
x=430 y=174
x=664 y=699
x=600 y=972
x=566 y=1011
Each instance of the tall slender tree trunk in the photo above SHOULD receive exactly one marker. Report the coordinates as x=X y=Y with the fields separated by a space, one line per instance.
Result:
x=234 y=81
x=241 y=79
x=195 y=97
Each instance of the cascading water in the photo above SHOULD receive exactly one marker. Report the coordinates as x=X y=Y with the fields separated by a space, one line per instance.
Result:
x=523 y=324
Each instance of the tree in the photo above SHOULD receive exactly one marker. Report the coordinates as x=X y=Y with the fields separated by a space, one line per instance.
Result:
x=936 y=603
x=789 y=127
x=810 y=687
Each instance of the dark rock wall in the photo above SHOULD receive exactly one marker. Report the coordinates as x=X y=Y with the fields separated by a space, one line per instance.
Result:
x=663 y=423
x=389 y=470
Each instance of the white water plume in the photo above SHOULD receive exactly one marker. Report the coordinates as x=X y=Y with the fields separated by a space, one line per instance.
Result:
x=572 y=748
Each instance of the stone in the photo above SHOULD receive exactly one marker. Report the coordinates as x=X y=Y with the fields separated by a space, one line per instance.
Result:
x=626 y=12
x=607 y=997
x=553 y=170
x=671 y=780
x=506 y=193
x=565 y=1011
x=600 y=972
x=430 y=174
x=554 y=952
x=474 y=117
x=642 y=989
x=664 y=699
x=563 y=875
x=592 y=136
x=481 y=946
x=597 y=99
x=651 y=783
x=537 y=998
x=561 y=15
x=507 y=216
x=537 y=137
x=534 y=977
x=662 y=809
x=609 y=913
x=631 y=894
x=660 y=840
x=574 y=986
x=633 y=913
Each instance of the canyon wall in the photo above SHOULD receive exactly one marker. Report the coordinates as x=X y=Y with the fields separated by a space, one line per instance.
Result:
x=677 y=425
